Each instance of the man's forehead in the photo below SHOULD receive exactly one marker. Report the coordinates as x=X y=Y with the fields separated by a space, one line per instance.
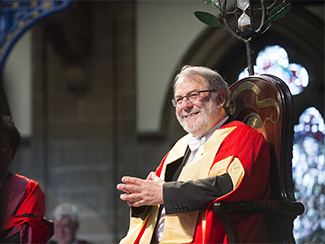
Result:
x=64 y=218
x=197 y=80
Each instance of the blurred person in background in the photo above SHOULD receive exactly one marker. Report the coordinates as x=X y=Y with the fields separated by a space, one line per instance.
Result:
x=66 y=224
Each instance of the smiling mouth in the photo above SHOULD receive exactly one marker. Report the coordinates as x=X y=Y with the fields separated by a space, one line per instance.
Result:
x=191 y=115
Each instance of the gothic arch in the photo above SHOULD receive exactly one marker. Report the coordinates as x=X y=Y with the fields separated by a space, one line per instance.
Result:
x=300 y=33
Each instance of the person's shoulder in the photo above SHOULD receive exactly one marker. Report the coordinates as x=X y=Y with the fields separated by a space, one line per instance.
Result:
x=17 y=176
x=236 y=123
x=20 y=178
x=30 y=183
x=243 y=129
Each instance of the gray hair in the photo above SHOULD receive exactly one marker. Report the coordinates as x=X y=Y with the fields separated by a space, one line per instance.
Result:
x=213 y=80
x=66 y=209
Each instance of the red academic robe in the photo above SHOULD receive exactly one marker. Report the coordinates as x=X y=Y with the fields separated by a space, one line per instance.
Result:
x=23 y=210
x=252 y=151
x=243 y=154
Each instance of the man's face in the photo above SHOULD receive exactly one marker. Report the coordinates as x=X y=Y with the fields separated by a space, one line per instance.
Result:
x=200 y=116
x=65 y=230
x=5 y=151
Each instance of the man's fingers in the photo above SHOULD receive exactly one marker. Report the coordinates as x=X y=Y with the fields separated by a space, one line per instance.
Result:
x=151 y=175
x=131 y=184
x=129 y=188
x=131 y=180
x=154 y=176
x=140 y=192
x=135 y=204
x=130 y=197
x=121 y=187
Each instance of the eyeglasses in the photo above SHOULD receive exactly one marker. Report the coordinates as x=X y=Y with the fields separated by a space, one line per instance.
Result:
x=192 y=97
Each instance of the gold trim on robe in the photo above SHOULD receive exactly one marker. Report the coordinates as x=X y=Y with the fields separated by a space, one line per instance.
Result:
x=180 y=227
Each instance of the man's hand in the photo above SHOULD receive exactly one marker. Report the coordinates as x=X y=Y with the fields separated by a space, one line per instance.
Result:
x=142 y=192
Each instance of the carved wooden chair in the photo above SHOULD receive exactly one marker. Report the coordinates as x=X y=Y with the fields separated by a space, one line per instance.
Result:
x=264 y=102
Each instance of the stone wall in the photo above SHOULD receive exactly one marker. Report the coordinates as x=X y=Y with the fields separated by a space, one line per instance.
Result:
x=84 y=131
x=84 y=135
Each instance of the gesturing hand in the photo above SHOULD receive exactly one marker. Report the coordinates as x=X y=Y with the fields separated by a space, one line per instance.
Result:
x=142 y=192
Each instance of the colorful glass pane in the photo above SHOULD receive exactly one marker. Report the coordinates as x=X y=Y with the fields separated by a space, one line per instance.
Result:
x=274 y=60
x=308 y=167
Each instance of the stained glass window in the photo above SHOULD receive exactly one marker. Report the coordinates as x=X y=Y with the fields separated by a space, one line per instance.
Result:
x=308 y=166
x=308 y=163
x=274 y=60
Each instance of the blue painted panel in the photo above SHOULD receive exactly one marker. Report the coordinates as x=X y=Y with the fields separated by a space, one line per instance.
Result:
x=17 y=16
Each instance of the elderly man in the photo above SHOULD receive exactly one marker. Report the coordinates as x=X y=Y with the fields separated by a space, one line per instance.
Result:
x=220 y=159
x=22 y=199
x=66 y=224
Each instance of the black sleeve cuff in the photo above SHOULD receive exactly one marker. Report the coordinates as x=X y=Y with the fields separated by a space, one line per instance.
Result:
x=140 y=212
x=194 y=195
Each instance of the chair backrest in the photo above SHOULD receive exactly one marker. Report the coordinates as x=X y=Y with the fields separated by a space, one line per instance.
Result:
x=265 y=103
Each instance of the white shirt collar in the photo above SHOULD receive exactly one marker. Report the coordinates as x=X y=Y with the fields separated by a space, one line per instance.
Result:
x=196 y=145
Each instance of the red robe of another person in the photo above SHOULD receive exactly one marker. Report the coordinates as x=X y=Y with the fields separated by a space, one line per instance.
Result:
x=23 y=210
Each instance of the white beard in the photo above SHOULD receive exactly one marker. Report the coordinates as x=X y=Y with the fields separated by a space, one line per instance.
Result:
x=204 y=123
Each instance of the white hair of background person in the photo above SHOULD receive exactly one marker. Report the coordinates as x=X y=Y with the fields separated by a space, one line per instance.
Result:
x=66 y=209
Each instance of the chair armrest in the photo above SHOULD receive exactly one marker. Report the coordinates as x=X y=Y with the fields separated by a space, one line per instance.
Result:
x=223 y=210
x=261 y=207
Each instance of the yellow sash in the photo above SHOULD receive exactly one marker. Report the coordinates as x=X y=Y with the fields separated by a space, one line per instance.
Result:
x=180 y=227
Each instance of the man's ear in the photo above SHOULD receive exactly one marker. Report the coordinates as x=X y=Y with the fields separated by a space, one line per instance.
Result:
x=221 y=98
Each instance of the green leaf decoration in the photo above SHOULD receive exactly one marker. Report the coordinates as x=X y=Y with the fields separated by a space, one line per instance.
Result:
x=207 y=18
x=211 y=3
x=279 y=11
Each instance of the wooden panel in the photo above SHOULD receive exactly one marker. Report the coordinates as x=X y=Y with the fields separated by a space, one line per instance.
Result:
x=264 y=102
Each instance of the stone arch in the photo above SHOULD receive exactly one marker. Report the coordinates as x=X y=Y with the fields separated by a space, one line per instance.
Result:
x=217 y=49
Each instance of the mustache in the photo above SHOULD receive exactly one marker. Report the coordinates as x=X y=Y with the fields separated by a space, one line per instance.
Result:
x=185 y=114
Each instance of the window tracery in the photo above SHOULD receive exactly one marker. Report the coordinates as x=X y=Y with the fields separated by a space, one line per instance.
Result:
x=308 y=163
x=308 y=166
x=275 y=60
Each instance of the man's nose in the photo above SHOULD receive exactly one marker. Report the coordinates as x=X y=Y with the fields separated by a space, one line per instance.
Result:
x=186 y=103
